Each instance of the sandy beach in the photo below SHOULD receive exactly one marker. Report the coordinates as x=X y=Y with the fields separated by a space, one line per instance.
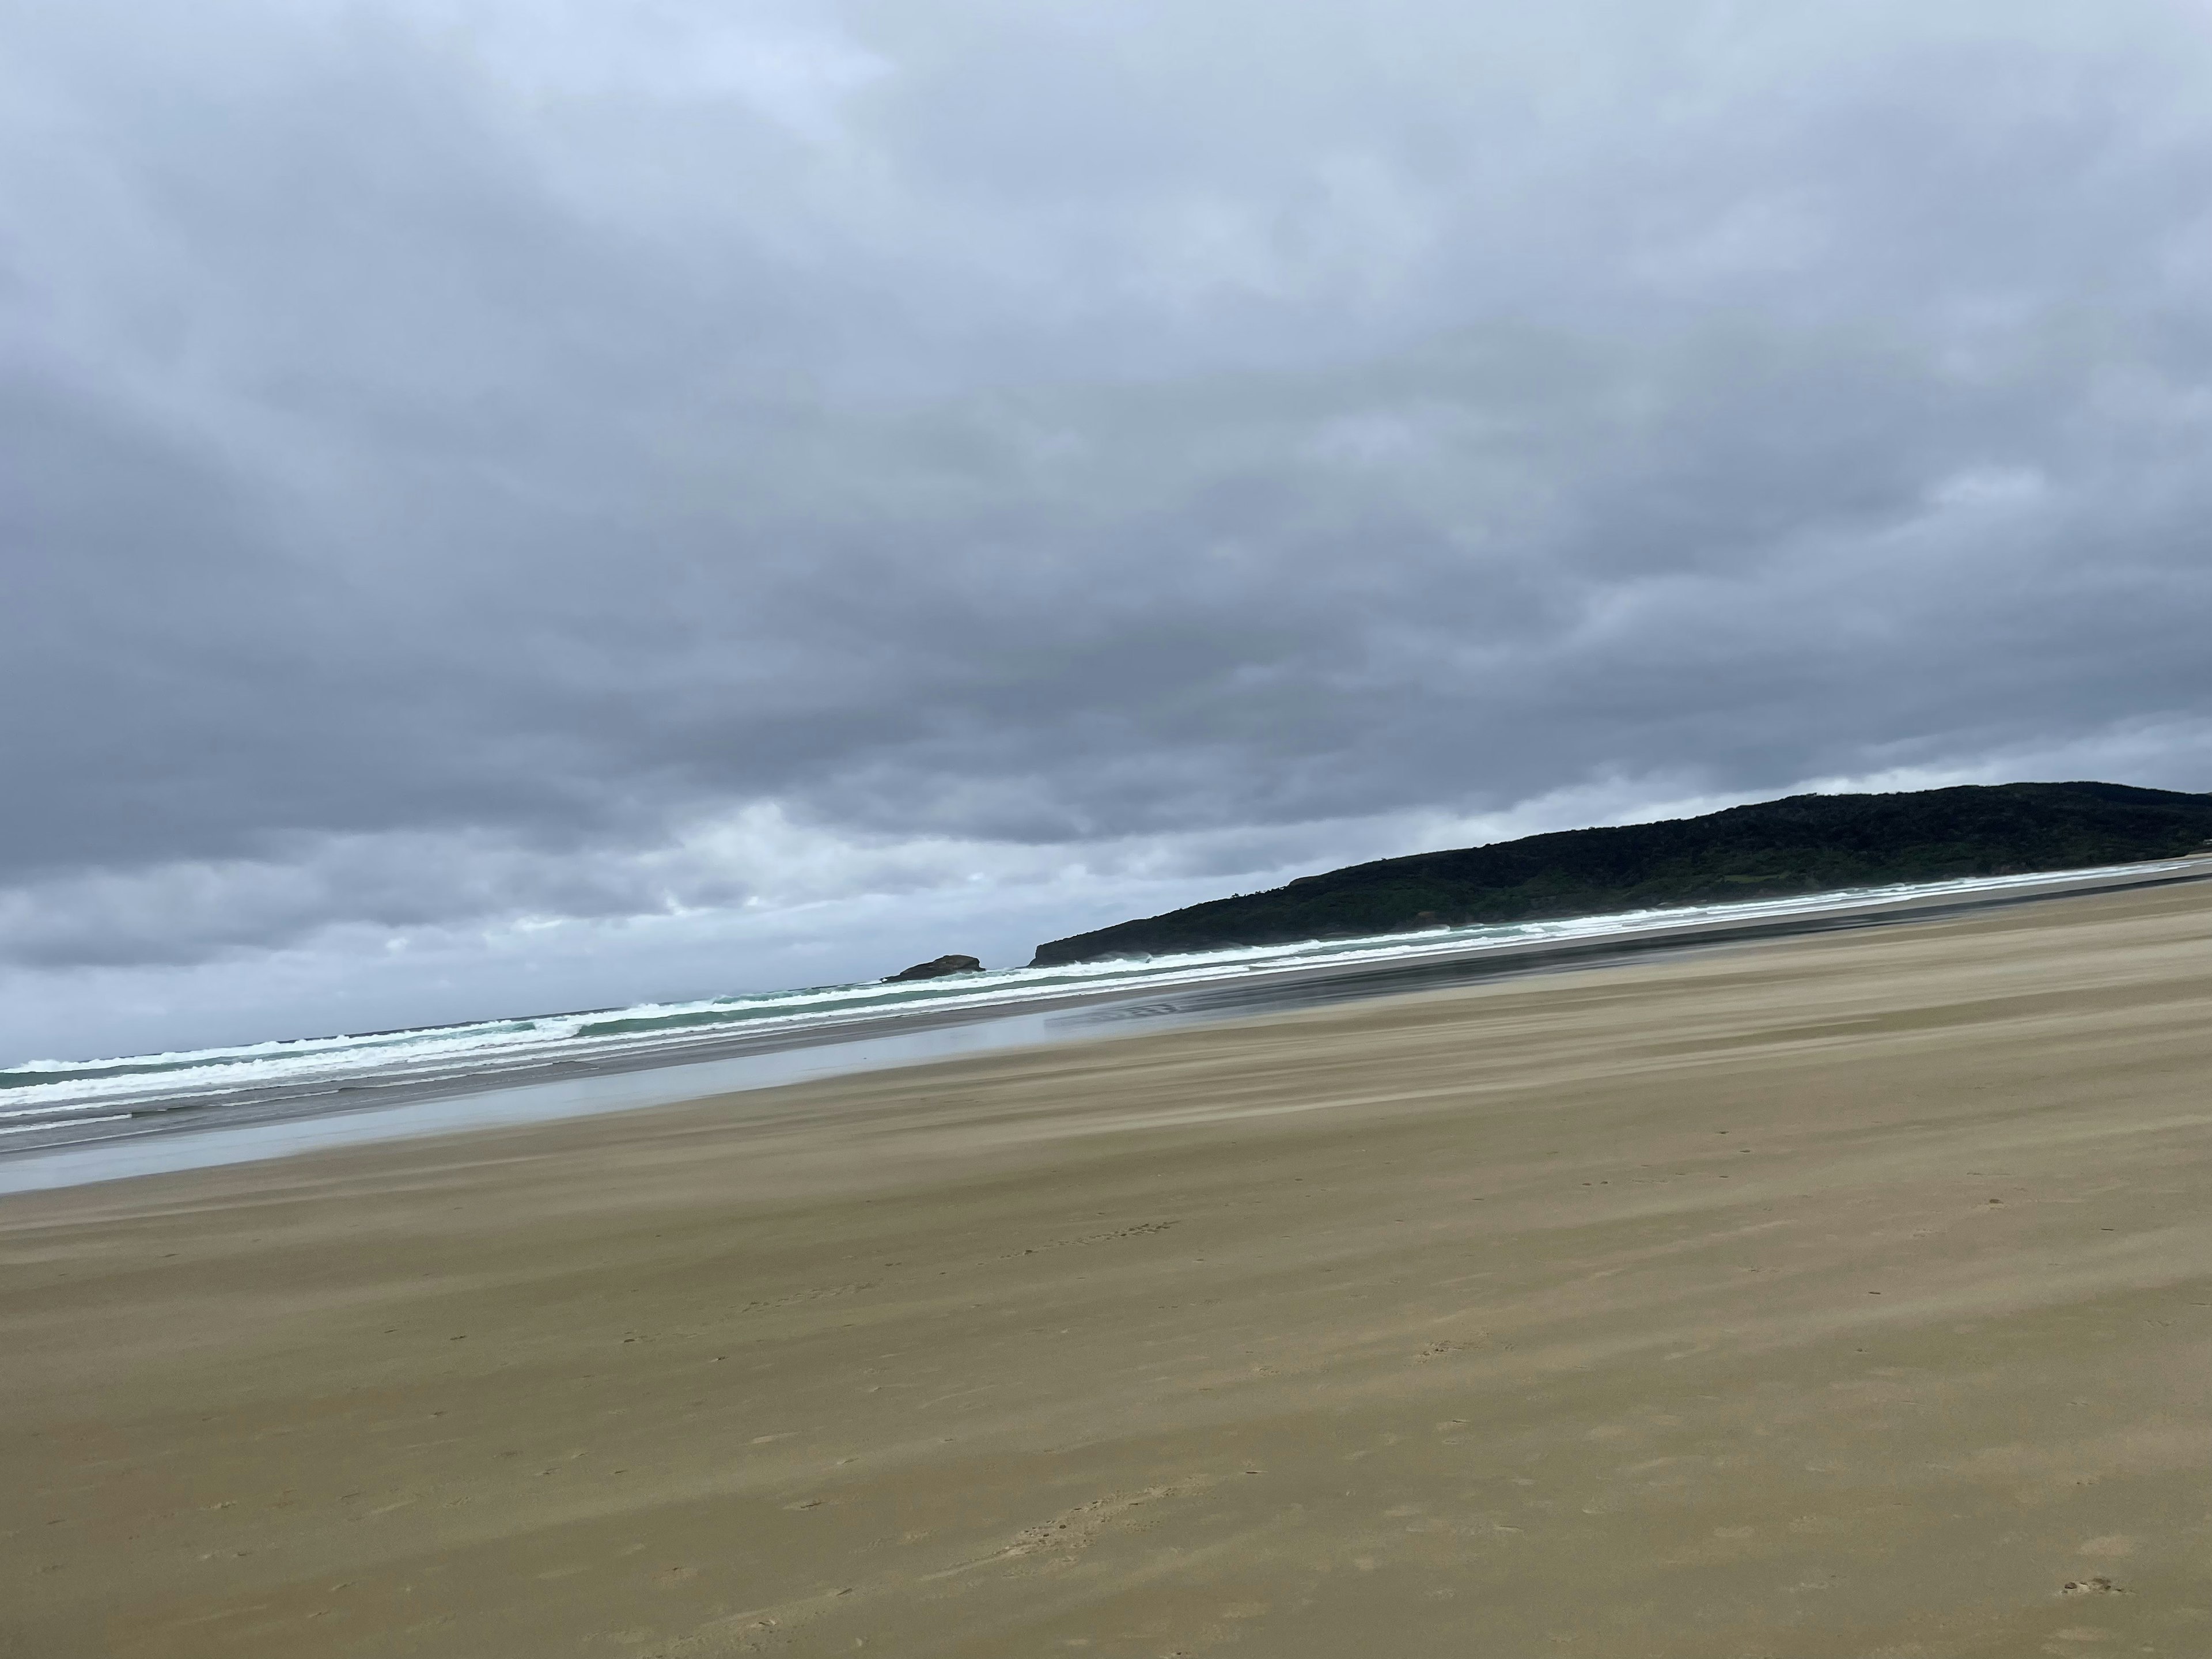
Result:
x=1846 y=1296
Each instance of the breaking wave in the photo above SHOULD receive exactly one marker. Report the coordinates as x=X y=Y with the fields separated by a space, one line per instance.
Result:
x=340 y=1073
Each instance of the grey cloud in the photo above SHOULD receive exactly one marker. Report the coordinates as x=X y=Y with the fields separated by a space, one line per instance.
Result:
x=494 y=441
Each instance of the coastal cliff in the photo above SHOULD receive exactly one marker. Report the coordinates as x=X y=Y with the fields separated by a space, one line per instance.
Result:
x=1802 y=844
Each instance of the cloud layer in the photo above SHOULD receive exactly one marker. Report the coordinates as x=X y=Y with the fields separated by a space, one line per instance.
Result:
x=471 y=467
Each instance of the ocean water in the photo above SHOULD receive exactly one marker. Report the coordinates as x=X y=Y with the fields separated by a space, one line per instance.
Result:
x=46 y=1105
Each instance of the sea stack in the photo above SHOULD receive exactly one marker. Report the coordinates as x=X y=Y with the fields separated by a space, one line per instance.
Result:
x=937 y=970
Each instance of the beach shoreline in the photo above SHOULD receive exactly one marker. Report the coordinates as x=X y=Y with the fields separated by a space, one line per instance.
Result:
x=366 y=1110
x=1830 y=1296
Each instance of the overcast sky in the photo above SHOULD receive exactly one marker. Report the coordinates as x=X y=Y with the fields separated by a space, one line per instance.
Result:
x=517 y=504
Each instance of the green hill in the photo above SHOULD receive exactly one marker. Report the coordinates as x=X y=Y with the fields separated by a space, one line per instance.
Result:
x=1805 y=844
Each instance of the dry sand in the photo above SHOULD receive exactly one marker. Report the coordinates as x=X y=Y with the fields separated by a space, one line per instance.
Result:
x=1851 y=1296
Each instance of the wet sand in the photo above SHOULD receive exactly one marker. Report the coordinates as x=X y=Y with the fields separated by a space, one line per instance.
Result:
x=1844 y=1296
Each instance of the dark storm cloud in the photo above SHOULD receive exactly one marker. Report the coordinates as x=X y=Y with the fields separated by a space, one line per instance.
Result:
x=454 y=458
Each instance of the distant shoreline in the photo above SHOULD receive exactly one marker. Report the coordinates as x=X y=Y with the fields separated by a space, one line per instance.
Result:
x=1759 y=851
x=282 y=1124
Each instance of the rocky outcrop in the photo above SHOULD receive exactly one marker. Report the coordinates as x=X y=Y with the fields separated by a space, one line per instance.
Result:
x=937 y=970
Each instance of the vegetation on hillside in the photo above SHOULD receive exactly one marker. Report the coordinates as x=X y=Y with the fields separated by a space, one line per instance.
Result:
x=1804 y=844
